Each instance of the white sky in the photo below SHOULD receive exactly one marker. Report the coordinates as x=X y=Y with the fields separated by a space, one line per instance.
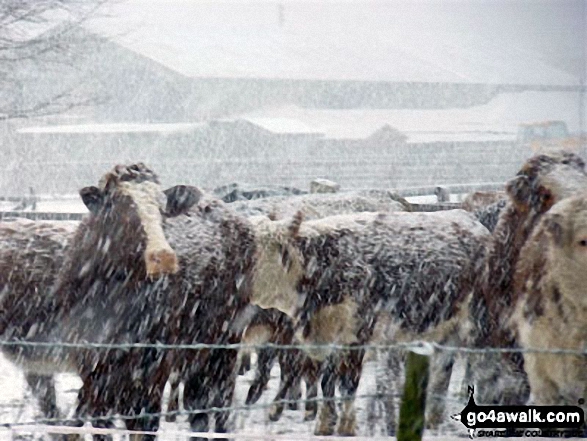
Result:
x=489 y=41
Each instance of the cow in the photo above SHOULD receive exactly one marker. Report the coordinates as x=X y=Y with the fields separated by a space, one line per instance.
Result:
x=486 y=205
x=542 y=181
x=442 y=194
x=31 y=254
x=333 y=276
x=481 y=199
x=314 y=206
x=551 y=304
x=275 y=327
x=319 y=205
x=147 y=266
x=489 y=214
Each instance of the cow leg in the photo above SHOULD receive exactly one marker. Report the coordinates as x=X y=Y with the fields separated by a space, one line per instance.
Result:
x=94 y=405
x=224 y=385
x=311 y=375
x=196 y=396
x=442 y=365
x=265 y=359
x=288 y=366
x=295 y=393
x=388 y=387
x=350 y=370
x=498 y=380
x=173 y=403
x=43 y=389
x=291 y=366
x=148 y=401
x=138 y=391
x=245 y=362
x=328 y=416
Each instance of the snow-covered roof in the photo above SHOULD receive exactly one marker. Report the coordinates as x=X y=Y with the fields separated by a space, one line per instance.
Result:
x=497 y=120
x=114 y=128
x=480 y=41
x=284 y=125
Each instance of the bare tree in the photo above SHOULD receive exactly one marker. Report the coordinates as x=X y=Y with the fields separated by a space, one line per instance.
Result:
x=36 y=35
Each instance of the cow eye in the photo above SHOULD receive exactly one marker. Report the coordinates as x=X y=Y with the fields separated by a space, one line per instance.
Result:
x=284 y=256
x=583 y=243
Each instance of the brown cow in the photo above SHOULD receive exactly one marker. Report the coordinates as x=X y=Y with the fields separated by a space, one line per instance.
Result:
x=31 y=254
x=481 y=199
x=551 y=311
x=273 y=326
x=345 y=270
x=148 y=266
x=541 y=182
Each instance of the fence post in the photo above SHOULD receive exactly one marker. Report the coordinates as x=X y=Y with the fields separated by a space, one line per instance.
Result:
x=413 y=405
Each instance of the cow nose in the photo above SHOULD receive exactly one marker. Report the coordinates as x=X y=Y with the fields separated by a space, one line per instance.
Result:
x=161 y=262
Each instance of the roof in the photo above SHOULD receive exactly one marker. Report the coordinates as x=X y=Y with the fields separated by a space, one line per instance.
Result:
x=477 y=41
x=288 y=126
x=114 y=128
x=497 y=120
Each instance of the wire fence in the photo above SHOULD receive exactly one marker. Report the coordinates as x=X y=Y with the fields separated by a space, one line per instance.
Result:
x=79 y=426
x=65 y=426
x=422 y=347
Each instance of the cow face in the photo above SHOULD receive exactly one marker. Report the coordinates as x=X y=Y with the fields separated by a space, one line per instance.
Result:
x=546 y=179
x=566 y=229
x=279 y=265
x=127 y=220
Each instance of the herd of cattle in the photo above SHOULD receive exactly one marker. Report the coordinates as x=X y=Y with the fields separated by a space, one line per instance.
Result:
x=180 y=267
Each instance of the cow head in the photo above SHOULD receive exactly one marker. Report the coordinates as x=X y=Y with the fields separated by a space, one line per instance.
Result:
x=279 y=265
x=546 y=179
x=127 y=212
x=565 y=226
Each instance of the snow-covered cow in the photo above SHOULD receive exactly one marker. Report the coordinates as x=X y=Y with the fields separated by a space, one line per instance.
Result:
x=541 y=182
x=551 y=310
x=31 y=255
x=480 y=199
x=319 y=205
x=275 y=327
x=333 y=276
x=146 y=266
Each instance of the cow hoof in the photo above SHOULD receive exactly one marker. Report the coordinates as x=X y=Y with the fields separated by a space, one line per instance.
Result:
x=275 y=412
x=324 y=430
x=347 y=427
x=310 y=415
x=171 y=418
x=434 y=420
x=292 y=406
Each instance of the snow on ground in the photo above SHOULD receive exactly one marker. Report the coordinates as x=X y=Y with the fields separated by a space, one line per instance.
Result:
x=18 y=405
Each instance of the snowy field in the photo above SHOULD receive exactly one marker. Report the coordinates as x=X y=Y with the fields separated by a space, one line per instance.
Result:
x=18 y=405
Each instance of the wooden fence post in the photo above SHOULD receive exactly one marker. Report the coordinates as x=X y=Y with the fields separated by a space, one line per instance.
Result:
x=413 y=405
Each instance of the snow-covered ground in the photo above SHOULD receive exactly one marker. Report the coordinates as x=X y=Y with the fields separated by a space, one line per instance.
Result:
x=18 y=405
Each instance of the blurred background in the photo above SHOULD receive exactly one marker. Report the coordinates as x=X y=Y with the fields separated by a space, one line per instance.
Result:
x=390 y=94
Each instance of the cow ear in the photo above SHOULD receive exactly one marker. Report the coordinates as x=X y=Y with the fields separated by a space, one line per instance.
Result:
x=519 y=190
x=294 y=226
x=92 y=197
x=180 y=199
x=527 y=196
x=554 y=227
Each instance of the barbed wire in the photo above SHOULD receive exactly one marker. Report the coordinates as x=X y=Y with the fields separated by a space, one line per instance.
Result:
x=61 y=430
x=423 y=347
x=243 y=407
